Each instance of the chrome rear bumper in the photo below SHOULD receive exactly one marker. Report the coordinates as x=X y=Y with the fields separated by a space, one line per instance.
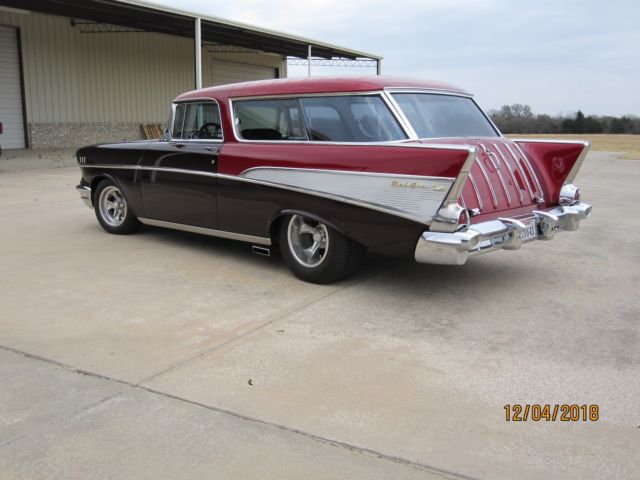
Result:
x=504 y=233
x=85 y=194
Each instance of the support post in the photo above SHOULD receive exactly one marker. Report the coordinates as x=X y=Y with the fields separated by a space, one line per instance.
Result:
x=378 y=66
x=198 y=52
x=309 y=61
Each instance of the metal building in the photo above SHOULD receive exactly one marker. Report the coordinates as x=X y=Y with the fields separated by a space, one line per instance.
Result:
x=74 y=73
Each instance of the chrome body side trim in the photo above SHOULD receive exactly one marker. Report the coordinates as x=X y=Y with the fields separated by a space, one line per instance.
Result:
x=475 y=190
x=465 y=172
x=498 y=167
x=533 y=172
x=513 y=176
x=521 y=169
x=414 y=196
x=504 y=233
x=372 y=205
x=207 y=231
x=446 y=220
x=488 y=180
x=85 y=194
x=573 y=173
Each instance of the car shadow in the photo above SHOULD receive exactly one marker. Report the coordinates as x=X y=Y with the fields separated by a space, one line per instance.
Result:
x=377 y=271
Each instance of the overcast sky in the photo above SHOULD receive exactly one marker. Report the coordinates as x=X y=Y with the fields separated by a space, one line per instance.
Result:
x=557 y=56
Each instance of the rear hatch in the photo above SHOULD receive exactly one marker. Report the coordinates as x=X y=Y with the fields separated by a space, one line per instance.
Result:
x=501 y=180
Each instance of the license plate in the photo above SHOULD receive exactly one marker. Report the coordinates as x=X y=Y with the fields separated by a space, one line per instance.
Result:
x=531 y=230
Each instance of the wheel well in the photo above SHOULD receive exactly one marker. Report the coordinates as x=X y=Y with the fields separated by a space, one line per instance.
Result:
x=274 y=228
x=94 y=185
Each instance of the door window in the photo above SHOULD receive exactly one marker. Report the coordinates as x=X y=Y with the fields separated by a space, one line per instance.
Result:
x=197 y=121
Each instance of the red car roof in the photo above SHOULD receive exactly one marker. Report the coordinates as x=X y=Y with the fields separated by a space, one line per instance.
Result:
x=304 y=85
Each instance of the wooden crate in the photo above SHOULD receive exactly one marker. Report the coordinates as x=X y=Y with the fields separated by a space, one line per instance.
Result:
x=153 y=131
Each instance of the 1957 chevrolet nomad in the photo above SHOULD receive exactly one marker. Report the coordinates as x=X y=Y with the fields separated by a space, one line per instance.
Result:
x=326 y=168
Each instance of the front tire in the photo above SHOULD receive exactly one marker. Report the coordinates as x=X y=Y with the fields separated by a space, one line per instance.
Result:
x=112 y=209
x=317 y=253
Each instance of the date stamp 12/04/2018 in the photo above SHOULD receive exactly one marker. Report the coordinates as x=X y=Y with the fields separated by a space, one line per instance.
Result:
x=516 y=412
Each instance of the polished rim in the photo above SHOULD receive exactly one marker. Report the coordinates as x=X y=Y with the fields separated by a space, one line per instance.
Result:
x=308 y=241
x=113 y=206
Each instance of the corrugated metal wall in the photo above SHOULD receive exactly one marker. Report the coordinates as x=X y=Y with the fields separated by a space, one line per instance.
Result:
x=71 y=77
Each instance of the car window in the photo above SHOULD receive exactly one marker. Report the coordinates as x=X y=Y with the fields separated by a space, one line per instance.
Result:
x=197 y=121
x=350 y=118
x=439 y=116
x=277 y=119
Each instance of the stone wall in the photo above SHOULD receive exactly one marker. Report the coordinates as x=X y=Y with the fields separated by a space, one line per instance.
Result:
x=73 y=135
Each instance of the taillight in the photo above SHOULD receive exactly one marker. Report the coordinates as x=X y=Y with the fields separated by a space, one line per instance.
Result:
x=463 y=217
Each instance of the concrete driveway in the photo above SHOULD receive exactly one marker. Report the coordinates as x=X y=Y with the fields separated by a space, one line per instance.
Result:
x=171 y=355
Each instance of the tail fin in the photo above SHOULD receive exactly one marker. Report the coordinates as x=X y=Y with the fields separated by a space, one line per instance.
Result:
x=556 y=163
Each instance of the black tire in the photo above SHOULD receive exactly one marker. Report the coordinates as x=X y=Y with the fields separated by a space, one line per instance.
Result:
x=339 y=256
x=112 y=209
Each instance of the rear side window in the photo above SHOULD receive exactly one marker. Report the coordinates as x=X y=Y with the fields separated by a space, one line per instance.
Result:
x=197 y=121
x=277 y=119
x=350 y=118
x=438 y=116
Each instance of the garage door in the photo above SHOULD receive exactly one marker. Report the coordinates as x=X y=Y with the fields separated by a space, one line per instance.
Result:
x=12 y=130
x=231 y=72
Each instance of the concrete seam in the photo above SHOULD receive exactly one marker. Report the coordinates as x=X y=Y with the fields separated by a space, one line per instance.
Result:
x=61 y=417
x=290 y=311
x=336 y=443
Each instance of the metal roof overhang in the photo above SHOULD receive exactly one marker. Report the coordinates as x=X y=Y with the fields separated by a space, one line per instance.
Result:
x=157 y=18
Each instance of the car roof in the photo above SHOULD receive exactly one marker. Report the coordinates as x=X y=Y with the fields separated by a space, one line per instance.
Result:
x=312 y=85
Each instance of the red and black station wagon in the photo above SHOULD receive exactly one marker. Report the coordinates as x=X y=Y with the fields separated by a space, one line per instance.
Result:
x=326 y=168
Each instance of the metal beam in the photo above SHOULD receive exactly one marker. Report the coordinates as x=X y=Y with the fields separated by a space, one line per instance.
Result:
x=309 y=61
x=198 y=52
x=378 y=66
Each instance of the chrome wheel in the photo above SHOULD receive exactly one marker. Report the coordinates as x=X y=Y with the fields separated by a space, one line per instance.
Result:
x=112 y=206
x=308 y=241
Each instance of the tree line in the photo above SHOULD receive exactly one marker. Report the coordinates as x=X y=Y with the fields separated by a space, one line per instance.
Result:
x=519 y=118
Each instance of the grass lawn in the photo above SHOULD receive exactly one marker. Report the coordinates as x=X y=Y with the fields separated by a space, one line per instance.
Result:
x=629 y=144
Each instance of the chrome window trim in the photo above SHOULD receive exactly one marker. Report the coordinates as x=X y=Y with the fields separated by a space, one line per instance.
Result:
x=400 y=115
x=330 y=196
x=207 y=231
x=297 y=97
x=172 y=140
x=435 y=91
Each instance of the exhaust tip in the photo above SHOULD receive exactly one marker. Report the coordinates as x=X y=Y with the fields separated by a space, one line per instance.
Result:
x=263 y=251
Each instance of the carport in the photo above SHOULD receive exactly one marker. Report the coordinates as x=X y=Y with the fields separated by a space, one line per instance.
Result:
x=83 y=72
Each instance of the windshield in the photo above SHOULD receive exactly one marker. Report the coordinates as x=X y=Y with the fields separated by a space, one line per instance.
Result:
x=438 y=116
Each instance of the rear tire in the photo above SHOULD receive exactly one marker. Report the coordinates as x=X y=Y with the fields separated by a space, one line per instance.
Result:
x=112 y=209
x=317 y=253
